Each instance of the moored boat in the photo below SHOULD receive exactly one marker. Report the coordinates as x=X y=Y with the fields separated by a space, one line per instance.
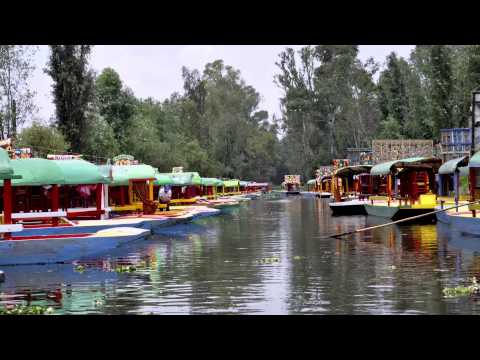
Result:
x=404 y=188
x=350 y=187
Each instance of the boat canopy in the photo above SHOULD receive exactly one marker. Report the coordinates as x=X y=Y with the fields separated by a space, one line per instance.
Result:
x=231 y=183
x=162 y=179
x=244 y=183
x=121 y=174
x=36 y=172
x=6 y=169
x=475 y=161
x=390 y=166
x=184 y=178
x=76 y=172
x=452 y=165
x=326 y=177
x=212 y=182
x=311 y=182
x=463 y=170
x=255 y=184
x=353 y=170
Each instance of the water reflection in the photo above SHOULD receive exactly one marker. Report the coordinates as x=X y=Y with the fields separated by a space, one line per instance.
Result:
x=220 y=265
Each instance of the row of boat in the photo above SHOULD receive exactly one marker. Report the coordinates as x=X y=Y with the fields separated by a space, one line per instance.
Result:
x=399 y=189
x=63 y=210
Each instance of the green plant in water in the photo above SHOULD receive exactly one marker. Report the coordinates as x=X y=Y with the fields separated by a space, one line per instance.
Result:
x=473 y=289
x=271 y=260
x=27 y=310
x=80 y=268
x=125 y=268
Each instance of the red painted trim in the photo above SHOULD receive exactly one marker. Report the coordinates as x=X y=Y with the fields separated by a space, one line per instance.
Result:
x=98 y=198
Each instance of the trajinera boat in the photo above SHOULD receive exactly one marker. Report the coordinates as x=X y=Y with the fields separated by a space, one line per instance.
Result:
x=403 y=188
x=351 y=186
x=464 y=219
x=31 y=203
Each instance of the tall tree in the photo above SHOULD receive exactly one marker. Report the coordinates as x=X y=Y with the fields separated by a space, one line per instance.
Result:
x=16 y=97
x=73 y=90
x=116 y=104
x=441 y=88
x=393 y=100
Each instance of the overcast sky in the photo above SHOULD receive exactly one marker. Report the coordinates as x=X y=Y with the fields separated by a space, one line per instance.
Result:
x=155 y=71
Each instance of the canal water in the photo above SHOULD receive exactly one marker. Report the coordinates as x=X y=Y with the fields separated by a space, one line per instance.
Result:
x=268 y=256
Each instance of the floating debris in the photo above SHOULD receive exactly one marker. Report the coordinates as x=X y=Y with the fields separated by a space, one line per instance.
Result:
x=271 y=260
x=393 y=267
x=473 y=289
x=297 y=257
x=26 y=310
x=80 y=268
x=125 y=268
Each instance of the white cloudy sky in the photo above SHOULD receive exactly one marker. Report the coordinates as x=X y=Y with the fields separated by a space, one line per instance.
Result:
x=155 y=71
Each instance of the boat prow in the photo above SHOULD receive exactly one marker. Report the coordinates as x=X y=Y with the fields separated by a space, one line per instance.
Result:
x=25 y=250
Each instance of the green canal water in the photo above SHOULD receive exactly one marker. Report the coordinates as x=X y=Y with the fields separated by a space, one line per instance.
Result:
x=264 y=257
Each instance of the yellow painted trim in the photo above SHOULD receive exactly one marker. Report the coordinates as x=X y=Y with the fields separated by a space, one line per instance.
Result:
x=150 y=190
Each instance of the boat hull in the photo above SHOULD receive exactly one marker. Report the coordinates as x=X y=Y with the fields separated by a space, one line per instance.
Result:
x=397 y=213
x=63 y=249
x=464 y=225
x=353 y=207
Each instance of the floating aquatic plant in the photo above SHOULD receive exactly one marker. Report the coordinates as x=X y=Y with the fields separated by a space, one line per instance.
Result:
x=271 y=260
x=473 y=289
x=80 y=268
x=26 y=310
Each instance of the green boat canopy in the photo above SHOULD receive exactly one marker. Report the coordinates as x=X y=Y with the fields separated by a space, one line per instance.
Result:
x=6 y=169
x=36 y=172
x=183 y=178
x=390 y=166
x=123 y=173
x=162 y=179
x=311 y=182
x=212 y=182
x=231 y=183
x=353 y=170
x=452 y=165
x=76 y=172
x=475 y=161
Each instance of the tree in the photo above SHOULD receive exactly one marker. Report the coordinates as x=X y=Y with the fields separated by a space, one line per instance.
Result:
x=441 y=88
x=393 y=100
x=16 y=98
x=73 y=90
x=116 y=103
x=43 y=139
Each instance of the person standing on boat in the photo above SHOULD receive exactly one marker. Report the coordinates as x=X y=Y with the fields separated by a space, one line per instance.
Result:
x=164 y=196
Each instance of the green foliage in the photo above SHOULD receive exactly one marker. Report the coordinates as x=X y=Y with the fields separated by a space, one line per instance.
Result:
x=42 y=139
x=116 y=104
x=330 y=104
x=16 y=98
x=73 y=90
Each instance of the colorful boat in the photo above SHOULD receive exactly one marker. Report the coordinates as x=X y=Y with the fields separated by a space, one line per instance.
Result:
x=350 y=186
x=464 y=219
x=46 y=249
x=453 y=186
x=291 y=184
x=403 y=188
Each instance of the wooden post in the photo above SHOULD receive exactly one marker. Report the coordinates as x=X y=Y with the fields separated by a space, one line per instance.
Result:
x=55 y=202
x=98 y=200
x=150 y=190
x=7 y=205
x=389 y=178
x=472 y=183
x=130 y=192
